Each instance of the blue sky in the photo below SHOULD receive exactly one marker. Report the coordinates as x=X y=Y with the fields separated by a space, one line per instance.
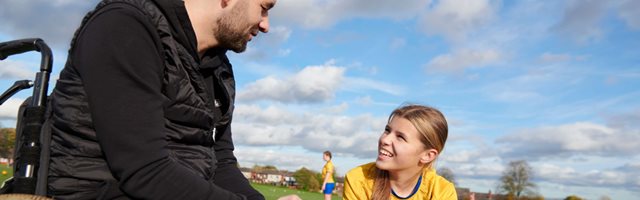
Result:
x=551 y=82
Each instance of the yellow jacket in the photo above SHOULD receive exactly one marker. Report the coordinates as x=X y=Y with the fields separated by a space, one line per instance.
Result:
x=358 y=185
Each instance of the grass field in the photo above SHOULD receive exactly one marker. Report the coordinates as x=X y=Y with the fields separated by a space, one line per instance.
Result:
x=3 y=176
x=273 y=192
x=270 y=192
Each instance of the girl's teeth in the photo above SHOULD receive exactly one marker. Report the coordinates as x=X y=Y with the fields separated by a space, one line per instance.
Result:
x=385 y=153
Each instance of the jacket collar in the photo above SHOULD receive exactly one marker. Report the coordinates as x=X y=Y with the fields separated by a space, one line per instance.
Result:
x=214 y=58
x=176 y=14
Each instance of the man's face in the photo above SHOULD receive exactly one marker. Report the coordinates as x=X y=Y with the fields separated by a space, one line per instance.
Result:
x=243 y=22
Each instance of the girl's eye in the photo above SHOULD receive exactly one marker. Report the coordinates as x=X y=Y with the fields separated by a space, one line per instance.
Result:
x=401 y=137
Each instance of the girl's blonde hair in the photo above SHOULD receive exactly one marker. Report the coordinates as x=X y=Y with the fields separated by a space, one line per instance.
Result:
x=433 y=128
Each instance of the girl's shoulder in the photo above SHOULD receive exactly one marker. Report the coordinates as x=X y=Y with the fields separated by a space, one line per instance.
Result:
x=435 y=178
x=362 y=172
x=436 y=185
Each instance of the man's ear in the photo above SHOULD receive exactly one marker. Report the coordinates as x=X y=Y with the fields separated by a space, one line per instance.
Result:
x=428 y=156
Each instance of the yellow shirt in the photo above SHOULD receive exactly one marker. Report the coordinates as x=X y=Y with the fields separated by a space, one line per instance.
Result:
x=358 y=185
x=328 y=167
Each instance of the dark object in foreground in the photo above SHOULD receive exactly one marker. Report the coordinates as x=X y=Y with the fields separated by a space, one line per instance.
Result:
x=31 y=158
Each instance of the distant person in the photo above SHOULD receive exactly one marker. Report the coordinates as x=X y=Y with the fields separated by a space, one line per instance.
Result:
x=144 y=104
x=327 y=176
x=412 y=140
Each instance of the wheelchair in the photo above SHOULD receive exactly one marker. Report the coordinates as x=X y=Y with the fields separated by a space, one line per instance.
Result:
x=31 y=158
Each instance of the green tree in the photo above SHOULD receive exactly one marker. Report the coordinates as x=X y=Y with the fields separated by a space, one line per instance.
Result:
x=307 y=179
x=447 y=173
x=258 y=168
x=573 y=197
x=7 y=142
x=532 y=197
x=516 y=179
x=314 y=183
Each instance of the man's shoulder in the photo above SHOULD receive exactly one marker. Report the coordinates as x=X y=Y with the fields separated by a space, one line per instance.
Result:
x=133 y=9
x=120 y=5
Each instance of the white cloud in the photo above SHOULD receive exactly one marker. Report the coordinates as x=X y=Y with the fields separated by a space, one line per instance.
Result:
x=276 y=35
x=462 y=59
x=284 y=52
x=569 y=175
x=564 y=141
x=311 y=84
x=581 y=20
x=9 y=109
x=624 y=176
x=354 y=83
x=398 y=43
x=365 y=100
x=625 y=121
x=548 y=170
x=369 y=101
x=629 y=11
x=478 y=170
x=289 y=160
x=268 y=45
x=294 y=158
x=553 y=58
x=314 y=130
x=15 y=70
x=338 y=108
x=53 y=21
x=454 y=19
x=515 y=96
x=358 y=66
x=325 y=13
x=535 y=87
x=463 y=156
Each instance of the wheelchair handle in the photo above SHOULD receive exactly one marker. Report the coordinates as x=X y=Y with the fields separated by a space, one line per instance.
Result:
x=42 y=78
x=16 y=47
x=23 y=45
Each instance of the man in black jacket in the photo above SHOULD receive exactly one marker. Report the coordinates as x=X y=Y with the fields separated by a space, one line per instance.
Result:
x=143 y=106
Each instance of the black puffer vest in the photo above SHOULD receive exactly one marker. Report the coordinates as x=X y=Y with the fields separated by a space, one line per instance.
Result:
x=76 y=158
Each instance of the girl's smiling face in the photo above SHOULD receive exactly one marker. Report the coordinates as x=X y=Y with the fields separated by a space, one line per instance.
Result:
x=400 y=147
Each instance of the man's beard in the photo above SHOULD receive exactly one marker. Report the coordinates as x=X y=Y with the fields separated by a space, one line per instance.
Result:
x=231 y=34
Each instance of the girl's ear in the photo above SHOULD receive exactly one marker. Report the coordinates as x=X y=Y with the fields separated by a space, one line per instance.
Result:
x=428 y=156
x=224 y=3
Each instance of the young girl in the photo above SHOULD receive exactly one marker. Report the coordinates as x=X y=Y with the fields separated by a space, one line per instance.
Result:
x=412 y=140
x=327 y=176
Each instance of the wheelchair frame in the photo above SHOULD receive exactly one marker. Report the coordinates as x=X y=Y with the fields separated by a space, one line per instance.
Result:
x=32 y=143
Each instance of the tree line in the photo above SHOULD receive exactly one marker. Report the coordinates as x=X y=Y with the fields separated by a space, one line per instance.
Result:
x=7 y=142
x=306 y=179
x=515 y=183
